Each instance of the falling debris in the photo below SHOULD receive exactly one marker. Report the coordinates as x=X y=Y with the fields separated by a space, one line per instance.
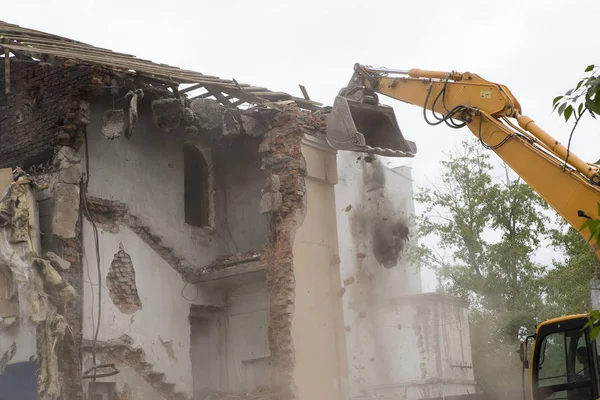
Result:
x=113 y=124
x=389 y=240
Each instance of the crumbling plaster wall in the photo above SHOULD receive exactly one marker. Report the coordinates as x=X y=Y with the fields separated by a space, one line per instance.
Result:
x=146 y=173
x=374 y=206
x=161 y=326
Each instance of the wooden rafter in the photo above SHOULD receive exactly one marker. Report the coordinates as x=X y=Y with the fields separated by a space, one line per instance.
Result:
x=36 y=44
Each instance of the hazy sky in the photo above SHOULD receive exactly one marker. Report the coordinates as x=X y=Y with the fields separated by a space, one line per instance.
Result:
x=537 y=48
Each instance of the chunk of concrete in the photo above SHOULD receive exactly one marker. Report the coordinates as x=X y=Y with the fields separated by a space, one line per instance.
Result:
x=58 y=262
x=71 y=175
x=253 y=126
x=188 y=115
x=65 y=210
x=270 y=202
x=209 y=113
x=66 y=156
x=167 y=113
x=273 y=183
x=113 y=124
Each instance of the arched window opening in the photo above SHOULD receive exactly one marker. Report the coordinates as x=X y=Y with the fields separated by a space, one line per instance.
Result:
x=196 y=178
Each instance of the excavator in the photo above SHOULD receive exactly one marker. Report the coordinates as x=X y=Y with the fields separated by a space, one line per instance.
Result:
x=564 y=361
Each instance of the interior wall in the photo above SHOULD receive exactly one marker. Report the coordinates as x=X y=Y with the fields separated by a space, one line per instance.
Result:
x=160 y=324
x=146 y=173
x=247 y=342
x=317 y=326
x=238 y=182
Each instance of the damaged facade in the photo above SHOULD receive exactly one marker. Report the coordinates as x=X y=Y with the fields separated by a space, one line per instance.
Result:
x=173 y=235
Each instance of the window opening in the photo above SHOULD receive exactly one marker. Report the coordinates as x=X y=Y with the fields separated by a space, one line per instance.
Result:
x=196 y=179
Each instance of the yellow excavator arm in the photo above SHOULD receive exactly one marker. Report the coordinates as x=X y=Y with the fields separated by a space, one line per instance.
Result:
x=358 y=122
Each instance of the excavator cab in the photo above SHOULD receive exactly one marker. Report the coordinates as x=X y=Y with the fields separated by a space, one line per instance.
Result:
x=358 y=123
x=564 y=361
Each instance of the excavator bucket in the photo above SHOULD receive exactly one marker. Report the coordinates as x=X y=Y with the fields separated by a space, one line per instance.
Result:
x=367 y=128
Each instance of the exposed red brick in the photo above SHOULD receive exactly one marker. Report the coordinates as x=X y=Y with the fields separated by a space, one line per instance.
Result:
x=121 y=285
x=281 y=155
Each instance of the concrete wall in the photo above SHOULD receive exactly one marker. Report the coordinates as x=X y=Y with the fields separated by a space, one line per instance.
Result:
x=146 y=173
x=430 y=347
x=374 y=208
x=247 y=342
x=317 y=327
x=161 y=326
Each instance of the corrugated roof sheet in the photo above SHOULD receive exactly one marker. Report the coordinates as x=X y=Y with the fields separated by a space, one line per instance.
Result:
x=41 y=45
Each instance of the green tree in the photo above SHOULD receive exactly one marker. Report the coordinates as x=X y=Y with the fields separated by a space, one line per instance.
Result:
x=568 y=283
x=486 y=229
x=582 y=100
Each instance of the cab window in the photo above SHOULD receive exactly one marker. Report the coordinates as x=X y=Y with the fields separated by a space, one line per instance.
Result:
x=564 y=367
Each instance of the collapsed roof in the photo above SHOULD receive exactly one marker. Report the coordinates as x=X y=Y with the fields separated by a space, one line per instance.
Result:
x=29 y=43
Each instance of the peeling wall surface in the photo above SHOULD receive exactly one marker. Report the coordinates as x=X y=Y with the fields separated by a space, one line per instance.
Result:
x=146 y=173
x=160 y=326
x=317 y=328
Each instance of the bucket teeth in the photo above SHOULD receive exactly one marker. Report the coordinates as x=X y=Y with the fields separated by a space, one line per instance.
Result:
x=367 y=128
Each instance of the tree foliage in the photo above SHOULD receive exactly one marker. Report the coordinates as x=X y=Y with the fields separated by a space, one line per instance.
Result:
x=486 y=226
x=568 y=282
x=584 y=99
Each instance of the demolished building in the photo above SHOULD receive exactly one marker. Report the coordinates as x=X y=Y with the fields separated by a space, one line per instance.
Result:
x=173 y=235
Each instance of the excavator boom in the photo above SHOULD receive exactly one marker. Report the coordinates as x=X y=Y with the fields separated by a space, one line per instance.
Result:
x=358 y=122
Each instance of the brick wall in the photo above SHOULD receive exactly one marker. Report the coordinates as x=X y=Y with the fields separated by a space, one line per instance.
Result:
x=121 y=285
x=34 y=115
